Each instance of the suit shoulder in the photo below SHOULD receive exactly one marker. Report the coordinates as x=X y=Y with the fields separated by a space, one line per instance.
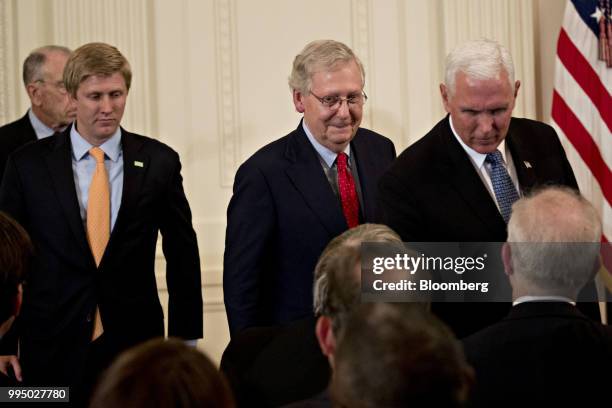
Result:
x=373 y=137
x=151 y=145
x=419 y=156
x=33 y=149
x=524 y=123
x=269 y=156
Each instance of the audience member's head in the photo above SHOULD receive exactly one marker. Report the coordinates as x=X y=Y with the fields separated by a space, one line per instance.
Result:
x=391 y=355
x=42 y=76
x=337 y=287
x=553 y=243
x=15 y=251
x=162 y=374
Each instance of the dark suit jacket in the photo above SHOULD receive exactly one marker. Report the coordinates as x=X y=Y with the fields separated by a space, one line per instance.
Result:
x=272 y=366
x=541 y=354
x=432 y=193
x=13 y=136
x=64 y=285
x=280 y=218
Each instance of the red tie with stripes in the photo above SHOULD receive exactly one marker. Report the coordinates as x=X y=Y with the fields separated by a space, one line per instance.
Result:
x=348 y=193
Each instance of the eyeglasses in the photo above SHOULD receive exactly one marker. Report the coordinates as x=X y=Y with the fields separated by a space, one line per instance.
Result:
x=59 y=85
x=334 y=102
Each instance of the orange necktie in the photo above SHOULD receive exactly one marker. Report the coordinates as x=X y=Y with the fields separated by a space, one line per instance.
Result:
x=98 y=219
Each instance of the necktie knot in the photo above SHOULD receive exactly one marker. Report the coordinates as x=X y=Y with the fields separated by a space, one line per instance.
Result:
x=494 y=158
x=341 y=160
x=97 y=154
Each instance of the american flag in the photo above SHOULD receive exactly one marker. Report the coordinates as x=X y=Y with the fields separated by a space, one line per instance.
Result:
x=582 y=105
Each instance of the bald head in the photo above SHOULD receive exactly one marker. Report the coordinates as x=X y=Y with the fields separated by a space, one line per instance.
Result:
x=554 y=239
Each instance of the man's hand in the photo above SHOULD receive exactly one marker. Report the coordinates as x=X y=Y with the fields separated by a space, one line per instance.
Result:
x=10 y=361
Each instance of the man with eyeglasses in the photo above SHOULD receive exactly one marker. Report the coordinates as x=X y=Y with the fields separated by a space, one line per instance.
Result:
x=297 y=193
x=50 y=110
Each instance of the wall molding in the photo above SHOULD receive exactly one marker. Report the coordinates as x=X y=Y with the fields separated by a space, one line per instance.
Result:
x=126 y=25
x=361 y=32
x=8 y=82
x=228 y=117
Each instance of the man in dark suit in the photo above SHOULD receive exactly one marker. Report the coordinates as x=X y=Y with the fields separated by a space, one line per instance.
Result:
x=297 y=193
x=93 y=199
x=272 y=366
x=50 y=110
x=458 y=182
x=545 y=352
x=15 y=252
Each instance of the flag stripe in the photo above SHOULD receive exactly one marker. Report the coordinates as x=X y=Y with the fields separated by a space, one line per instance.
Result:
x=580 y=104
x=586 y=77
x=583 y=143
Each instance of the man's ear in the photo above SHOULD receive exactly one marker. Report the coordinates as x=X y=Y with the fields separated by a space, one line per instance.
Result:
x=298 y=101
x=18 y=300
x=33 y=90
x=325 y=336
x=517 y=85
x=506 y=254
x=445 y=96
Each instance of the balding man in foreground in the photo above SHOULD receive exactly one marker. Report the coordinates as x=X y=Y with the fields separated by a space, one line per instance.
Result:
x=545 y=352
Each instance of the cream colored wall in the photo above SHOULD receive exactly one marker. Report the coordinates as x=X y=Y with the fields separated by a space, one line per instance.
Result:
x=210 y=78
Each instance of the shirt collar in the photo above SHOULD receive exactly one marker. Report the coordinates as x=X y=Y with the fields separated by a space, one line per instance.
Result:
x=80 y=146
x=524 y=299
x=40 y=128
x=326 y=154
x=477 y=158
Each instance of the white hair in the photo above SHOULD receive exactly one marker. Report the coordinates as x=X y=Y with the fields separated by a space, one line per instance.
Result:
x=480 y=59
x=554 y=238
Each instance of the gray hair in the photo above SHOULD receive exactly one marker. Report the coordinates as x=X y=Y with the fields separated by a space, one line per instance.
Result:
x=480 y=59
x=554 y=237
x=34 y=63
x=320 y=55
x=337 y=286
x=394 y=355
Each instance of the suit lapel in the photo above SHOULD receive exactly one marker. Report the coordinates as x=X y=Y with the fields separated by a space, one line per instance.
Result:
x=135 y=166
x=59 y=163
x=366 y=167
x=466 y=181
x=522 y=158
x=309 y=179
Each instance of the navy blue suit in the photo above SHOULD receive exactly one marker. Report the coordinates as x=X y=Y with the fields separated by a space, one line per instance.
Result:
x=541 y=354
x=281 y=216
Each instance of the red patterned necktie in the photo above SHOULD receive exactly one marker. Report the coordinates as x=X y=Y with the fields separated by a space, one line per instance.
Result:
x=348 y=193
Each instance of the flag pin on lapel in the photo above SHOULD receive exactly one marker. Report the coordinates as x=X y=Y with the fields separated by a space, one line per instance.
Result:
x=527 y=164
x=138 y=163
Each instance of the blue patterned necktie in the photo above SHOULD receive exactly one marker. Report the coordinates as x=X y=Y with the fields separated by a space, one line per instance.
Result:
x=502 y=184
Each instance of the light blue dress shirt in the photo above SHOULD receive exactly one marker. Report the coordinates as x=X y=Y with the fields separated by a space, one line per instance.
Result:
x=40 y=128
x=328 y=161
x=84 y=165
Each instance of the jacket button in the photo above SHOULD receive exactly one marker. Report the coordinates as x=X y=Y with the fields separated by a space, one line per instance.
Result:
x=88 y=317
